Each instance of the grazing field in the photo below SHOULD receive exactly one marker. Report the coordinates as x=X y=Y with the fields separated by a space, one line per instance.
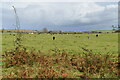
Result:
x=71 y=43
x=68 y=56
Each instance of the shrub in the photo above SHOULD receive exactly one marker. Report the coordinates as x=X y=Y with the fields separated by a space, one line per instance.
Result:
x=27 y=64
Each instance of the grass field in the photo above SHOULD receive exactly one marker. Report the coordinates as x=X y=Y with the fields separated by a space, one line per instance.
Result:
x=71 y=43
x=62 y=56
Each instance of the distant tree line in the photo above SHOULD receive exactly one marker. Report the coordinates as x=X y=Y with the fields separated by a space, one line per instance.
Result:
x=52 y=32
x=45 y=30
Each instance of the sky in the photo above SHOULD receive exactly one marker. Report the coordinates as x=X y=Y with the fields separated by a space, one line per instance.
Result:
x=64 y=16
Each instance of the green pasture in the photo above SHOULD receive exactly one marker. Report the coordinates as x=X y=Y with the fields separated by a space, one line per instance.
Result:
x=71 y=43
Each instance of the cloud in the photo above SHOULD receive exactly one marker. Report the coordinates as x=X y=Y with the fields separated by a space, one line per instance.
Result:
x=59 y=0
x=0 y=16
x=111 y=6
x=61 y=13
x=39 y=15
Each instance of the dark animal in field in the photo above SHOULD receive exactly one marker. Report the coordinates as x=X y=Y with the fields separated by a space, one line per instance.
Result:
x=97 y=35
x=88 y=37
x=53 y=38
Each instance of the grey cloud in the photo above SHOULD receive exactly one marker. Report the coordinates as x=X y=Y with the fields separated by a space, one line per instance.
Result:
x=63 y=16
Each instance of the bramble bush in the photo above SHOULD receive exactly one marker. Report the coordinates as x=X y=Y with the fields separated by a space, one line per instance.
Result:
x=35 y=64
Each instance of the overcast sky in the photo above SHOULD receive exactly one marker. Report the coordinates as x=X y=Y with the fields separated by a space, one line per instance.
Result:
x=70 y=16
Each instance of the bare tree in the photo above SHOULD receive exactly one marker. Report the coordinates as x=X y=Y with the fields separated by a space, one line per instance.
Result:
x=118 y=27
x=18 y=36
x=45 y=29
x=113 y=27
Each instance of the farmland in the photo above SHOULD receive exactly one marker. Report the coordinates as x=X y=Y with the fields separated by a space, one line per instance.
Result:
x=56 y=56
x=71 y=43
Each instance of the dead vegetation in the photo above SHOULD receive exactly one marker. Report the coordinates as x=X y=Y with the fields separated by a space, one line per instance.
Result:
x=33 y=64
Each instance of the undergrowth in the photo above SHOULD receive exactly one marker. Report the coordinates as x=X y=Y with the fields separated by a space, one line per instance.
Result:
x=34 y=64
